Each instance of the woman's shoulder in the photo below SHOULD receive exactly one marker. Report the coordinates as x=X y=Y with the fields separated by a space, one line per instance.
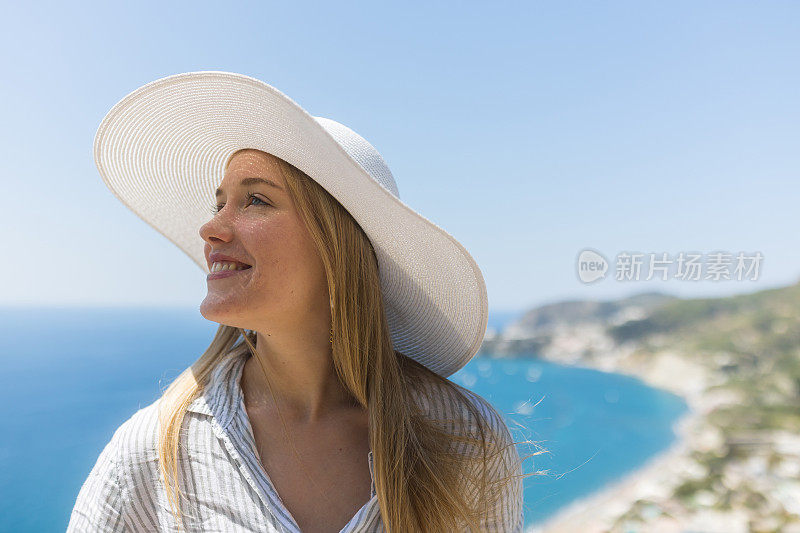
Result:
x=136 y=439
x=449 y=400
x=137 y=436
x=108 y=494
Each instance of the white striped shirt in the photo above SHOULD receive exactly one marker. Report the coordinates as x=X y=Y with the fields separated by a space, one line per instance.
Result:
x=228 y=489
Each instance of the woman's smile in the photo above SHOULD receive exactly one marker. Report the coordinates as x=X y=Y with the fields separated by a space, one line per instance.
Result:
x=226 y=273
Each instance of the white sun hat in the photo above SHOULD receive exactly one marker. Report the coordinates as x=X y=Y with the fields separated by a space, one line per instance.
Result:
x=162 y=150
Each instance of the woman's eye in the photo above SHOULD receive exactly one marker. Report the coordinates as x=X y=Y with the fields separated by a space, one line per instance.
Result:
x=254 y=197
x=217 y=208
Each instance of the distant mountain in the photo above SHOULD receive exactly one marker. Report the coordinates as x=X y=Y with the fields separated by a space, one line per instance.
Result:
x=536 y=328
x=546 y=318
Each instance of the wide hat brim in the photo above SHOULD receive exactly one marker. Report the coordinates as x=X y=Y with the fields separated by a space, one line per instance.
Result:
x=162 y=150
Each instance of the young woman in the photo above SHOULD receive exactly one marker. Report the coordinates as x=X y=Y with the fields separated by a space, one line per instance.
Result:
x=322 y=404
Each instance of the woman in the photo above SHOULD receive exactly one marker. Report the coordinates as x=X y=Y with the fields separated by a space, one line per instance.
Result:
x=322 y=404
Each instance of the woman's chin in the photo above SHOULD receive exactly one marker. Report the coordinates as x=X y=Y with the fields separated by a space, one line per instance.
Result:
x=217 y=312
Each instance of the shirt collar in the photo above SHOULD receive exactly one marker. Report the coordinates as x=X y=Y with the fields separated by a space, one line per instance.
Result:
x=223 y=393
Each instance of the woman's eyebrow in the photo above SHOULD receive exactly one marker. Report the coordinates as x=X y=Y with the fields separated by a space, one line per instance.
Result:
x=253 y=181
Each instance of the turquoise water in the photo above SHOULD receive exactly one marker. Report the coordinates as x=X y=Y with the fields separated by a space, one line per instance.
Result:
x=72 y=376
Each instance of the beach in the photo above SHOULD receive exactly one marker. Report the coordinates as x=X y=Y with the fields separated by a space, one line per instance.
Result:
x=658 y=477
x=655 y=480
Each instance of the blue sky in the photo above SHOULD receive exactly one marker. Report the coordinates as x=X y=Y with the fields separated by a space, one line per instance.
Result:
x=529 y=131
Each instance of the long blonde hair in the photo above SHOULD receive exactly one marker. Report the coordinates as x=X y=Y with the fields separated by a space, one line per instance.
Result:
x=422 y=485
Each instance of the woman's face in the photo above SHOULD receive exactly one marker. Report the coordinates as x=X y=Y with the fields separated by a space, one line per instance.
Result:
x=258 y=225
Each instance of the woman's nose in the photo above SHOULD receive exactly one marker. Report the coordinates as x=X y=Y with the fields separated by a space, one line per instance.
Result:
x=218 y=228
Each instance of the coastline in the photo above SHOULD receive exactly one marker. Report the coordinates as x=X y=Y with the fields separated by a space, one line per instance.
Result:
x=597 y=511
x=657 y=478
x=734 y=465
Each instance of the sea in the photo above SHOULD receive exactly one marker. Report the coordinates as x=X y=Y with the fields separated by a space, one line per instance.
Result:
x=71 y=376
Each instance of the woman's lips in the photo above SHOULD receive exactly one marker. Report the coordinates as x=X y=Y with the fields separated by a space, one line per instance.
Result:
x=225 y=273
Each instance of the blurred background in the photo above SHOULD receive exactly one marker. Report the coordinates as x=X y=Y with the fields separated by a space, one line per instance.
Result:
x=625 y=174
